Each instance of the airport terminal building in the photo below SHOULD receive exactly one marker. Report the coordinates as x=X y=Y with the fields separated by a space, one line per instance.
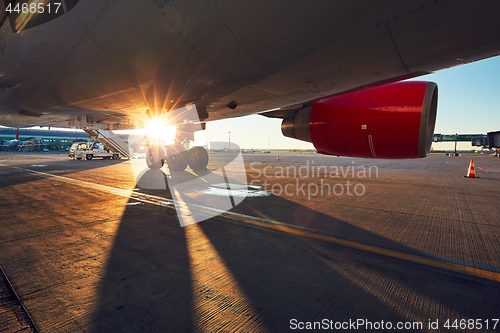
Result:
x=39 y=139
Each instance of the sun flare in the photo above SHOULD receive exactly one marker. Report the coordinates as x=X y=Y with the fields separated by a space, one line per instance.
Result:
x=158 y=129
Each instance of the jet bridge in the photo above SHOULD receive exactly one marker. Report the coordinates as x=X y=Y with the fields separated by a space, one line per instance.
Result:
x=491 y=140
x=494 y=139
x=455 y=138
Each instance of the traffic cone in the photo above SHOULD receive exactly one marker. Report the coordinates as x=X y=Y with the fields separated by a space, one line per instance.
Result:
x=471 y=173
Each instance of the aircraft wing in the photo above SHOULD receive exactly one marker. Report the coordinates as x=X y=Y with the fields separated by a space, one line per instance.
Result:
x=119 y=63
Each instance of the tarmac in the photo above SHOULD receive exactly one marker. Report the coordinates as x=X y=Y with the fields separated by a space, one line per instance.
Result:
x=320 y=243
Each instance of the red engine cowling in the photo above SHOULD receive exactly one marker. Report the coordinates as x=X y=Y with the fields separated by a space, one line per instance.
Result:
x=390 y=121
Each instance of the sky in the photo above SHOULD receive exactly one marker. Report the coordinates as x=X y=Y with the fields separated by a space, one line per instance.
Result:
x=468 y=103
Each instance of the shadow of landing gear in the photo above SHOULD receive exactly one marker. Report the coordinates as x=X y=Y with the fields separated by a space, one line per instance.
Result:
x=217 y=276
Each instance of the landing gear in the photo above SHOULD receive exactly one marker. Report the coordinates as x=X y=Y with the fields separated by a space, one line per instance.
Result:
x=177 y=158
x=198 y=158
x=177 y=155
x=155 y=157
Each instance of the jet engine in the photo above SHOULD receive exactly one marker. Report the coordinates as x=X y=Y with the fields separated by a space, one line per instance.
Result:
x=390 y=121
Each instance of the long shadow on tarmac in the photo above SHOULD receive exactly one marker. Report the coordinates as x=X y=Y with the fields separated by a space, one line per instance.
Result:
x=149 y=285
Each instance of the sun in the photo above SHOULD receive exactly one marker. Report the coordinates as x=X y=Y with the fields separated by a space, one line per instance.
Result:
x=158 y=129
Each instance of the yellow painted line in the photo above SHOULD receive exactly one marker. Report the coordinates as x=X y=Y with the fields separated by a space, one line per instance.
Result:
x=283 y=228
x=436 y=263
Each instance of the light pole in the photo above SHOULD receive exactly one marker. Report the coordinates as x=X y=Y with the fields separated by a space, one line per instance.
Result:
x=229 y=148
x=456 y=139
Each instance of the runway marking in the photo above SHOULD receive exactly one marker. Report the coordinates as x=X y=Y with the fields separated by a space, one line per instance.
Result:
x=267 y=224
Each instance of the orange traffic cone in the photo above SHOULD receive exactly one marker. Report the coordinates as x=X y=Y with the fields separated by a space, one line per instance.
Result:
x=471 y=173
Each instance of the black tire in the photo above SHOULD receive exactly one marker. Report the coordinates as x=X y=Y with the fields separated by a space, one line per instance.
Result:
x=198 y=158
x=78 y=158
x=176 y=159
x=89 y=157
x=115 y=156
x=155 y=157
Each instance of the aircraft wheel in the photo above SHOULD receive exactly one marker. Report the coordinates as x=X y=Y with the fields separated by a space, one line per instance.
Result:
x=176 y=159
x=155 y=157
x=89 y=157
x=198 y=158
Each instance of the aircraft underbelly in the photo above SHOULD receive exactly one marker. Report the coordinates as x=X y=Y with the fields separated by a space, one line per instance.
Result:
x=123 y=58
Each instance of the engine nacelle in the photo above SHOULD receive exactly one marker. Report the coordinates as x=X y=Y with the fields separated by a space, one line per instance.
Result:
x=390 y=121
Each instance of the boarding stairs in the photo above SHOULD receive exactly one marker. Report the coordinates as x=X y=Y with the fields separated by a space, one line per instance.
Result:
x=112 y=141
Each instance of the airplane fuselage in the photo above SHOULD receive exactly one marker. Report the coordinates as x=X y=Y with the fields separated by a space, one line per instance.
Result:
x=119 y=62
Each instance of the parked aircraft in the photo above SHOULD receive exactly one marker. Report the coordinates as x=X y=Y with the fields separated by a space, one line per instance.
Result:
x=11 y=144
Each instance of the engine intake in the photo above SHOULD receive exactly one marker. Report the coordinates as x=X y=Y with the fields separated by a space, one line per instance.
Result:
x=390 y=121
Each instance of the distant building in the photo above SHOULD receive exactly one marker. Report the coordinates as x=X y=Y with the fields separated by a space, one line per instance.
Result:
x=39 y=139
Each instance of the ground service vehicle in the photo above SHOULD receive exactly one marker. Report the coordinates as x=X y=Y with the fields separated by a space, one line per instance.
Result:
x=74 y=147
x=90 y=150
